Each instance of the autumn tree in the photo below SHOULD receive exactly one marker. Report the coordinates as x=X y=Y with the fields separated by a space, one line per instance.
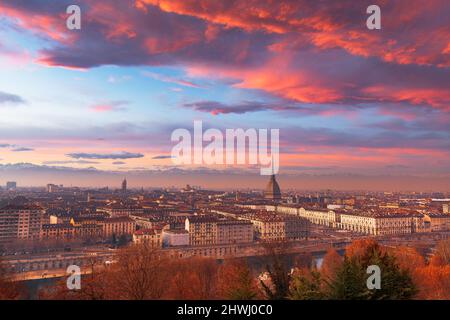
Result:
x=433 y=282
x=441 y=256
x=193 y=278
x=307 y=285
x=236 y=281
x=408 y=258
x=279 y=278
x=96 y=285
x=9 y=290
x=140 y=273
x=350 y=280
x=332 y=261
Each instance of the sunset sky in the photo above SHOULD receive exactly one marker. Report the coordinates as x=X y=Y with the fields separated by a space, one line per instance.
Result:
x=347 y=100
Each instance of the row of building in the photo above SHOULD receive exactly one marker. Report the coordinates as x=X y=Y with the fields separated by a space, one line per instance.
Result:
x=225 y=228
x=370 y=221
x=28 y=222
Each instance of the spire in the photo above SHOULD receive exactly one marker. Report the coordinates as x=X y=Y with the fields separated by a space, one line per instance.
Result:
x=124 y=184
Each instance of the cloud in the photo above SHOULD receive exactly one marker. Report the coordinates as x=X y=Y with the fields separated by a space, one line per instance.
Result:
x=119 y=162
x=165 y=78
x=110 y=106
x=5 y=145
x=69 y=162
x=300 y=50
x=333 y=25
x=10 y=98
x=160 y=157
x=102 y=156
x=22 y=149
x=216 y=108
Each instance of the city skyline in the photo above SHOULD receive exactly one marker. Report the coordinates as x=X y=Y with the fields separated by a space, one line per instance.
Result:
x=356 y=108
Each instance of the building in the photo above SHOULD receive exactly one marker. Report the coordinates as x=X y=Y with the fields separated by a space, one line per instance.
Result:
x=60 y=217
x=175 y=238
x=124 y=185
x=115 y=210
x=370 y=222
x=118 y=226
x=438 y=221
x=269 y=226
x=272 y=189
x=20 y=222
x=58 y=232
x=202 y=230
x=234 y=231
x=52 y=188
x=323 y=217
x=88 y=227
x=377 y=224
x=11 y=185
x=445 y=208
x=212 y=230
x=150 y=237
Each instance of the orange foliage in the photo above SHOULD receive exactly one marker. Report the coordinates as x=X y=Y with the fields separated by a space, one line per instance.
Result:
x=233 y=276
x=359 y=247
x=408 y=258
x=331 y=263
x=433 y=282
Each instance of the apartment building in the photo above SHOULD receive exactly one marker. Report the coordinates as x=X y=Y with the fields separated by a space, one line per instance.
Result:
x=115 y=210
x=234 y=231
x=377 y=224
x=150 y=237
x=118 y=226
x=438 y=221
x=269 y=226
x=212 y=230
x=63 y=231
x=20 y=222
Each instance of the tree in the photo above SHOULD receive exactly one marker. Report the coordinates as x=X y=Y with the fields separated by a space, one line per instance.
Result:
x=236 y=281
x=442 y=255
x=307 y=285
x=9 y=290
x=350 y=280
x=122 y=240
x=433 y=282
x=279 y=278
x=140 y=273
x=330 y=265
x=408 y=258
x=192 y=279
x=94 y=286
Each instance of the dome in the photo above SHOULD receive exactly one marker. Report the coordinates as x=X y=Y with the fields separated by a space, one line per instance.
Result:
x=273 y=189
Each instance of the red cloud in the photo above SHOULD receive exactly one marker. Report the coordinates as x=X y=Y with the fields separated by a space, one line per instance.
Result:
x=306 y=51
x=336 y=24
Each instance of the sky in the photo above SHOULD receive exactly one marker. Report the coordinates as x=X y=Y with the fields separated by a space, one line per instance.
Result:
x=356 y=108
